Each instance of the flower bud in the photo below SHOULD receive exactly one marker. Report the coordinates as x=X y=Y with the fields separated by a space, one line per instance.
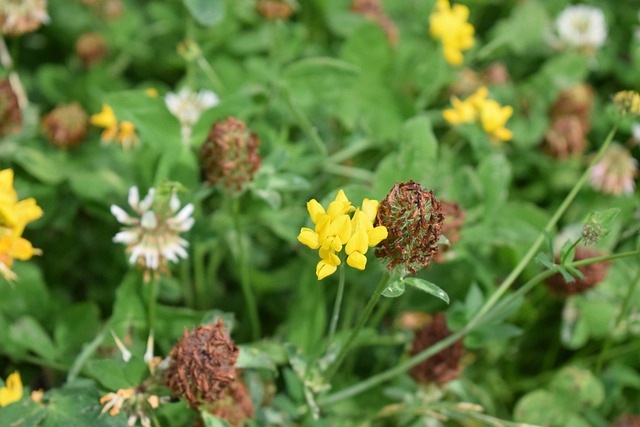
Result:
x=10 y=114
x=202 y=365
x=230 y=155
x=413 y=218
x=627 y=102
x=615 y=172
x=442 y=367
x=66 y=125
x=593 y=274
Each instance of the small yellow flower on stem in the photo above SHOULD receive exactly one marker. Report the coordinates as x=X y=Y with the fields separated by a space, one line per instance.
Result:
x=466 y=111
x=123 y=133
x=12 y=391
x=335 y=229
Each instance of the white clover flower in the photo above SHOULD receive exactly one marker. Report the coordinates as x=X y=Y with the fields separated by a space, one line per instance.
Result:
x=188 y=106
x=582 y=26
x=22 y=16
x=153 y=235
x=615 y=172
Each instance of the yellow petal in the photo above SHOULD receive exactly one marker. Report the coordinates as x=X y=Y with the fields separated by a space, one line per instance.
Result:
x=315 y=210
x=357 y=260
x=370 y=209
x=341 y=227
x=359 y=242
x=12 y=391
x=377 y=235
x=309 y=238
x=22 y=249
x=324 y=269
x=105 y=118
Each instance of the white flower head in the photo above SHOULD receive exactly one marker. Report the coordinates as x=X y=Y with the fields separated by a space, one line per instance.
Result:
x=582 y=27
x=188 y=106
x=152 y=235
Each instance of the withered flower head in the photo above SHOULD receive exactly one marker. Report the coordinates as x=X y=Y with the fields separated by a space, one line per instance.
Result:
x=202 y=365
x=576 y=101
x=442 y=367
x=235 y=406
x=66 y=125
x=10 y=114
x=373 y=11
x=230 y=155
x=273 y=10
x=565 y=138
x=593 y=274
x=91 y=48
x=413 y=218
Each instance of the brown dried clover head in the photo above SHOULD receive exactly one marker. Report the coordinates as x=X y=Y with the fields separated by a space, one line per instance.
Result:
x=230 y=156
x=202 y=365
x=235 y=406
x=10 y=113
x=413 y=218
x=442 y=367
x=66 y=126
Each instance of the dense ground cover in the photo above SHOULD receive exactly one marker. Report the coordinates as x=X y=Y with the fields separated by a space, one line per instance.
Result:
x=319 y=212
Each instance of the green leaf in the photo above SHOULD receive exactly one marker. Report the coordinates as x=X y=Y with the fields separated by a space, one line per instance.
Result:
x=115 y=374
x=542 y=408
x=25 y=412
x=69 y=337
x=528 y=20
x=45 y=167
x=213 y=421
x=252 y=358
x=577 y=388
x=574 y=332
x=206 y=12
x=27 y=332
x=394 y=289
x=494 y=172
x=428 y=287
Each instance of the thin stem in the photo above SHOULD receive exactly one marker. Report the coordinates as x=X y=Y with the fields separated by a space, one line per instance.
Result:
x=363 y=318
x=247 y=289
x=303 y=121
x=566 y=254
x=350 y=172
x=87 y=352
x=623 y=314
x=152 y=303
x=199 y=252
x=479 y=316
x=338 y=303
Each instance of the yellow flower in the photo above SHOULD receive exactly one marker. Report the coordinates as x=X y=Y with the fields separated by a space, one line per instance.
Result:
x=14 y=216
x=335 y=229
x=12 y=391
x=113 y=401
x=151 y=92
x=493 y=117
x=449 y=24
x=466 y=111
x=477 y=107
x=123 y=133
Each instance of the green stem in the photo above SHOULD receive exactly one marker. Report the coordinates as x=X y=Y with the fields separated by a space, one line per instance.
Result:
x=86 y=353
x=623 y=314
x=247 y=289
x=303 y=121
x=152 y=303
x=338 y=303
x=363 y=318
x=199 y=277
x=350 y=172
x=566 y=254
x=479 y=316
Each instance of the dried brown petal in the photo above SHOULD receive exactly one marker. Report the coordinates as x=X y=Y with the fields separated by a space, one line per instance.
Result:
x=565 y=138
x=593 y=274
x=413 y=218
x=453 y=220
x=627 y=421
x=91 y=48
x=273 y=10
x=202 y=365
x=442 y=367
x=22 y=16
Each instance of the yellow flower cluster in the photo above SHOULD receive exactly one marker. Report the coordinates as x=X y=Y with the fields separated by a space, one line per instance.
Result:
x=12 y=391
x=14 y=216
x=449 y=24
x=478 y=107
x=334 y=228
x=124 y=132
x=627 y=102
